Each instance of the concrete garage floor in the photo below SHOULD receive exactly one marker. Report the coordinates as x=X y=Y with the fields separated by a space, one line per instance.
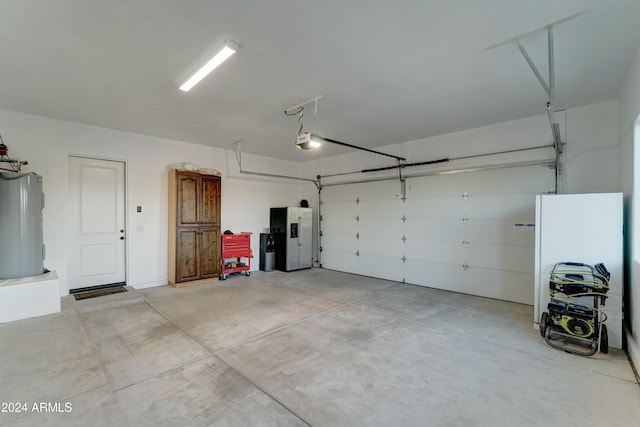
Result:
x=314 y=347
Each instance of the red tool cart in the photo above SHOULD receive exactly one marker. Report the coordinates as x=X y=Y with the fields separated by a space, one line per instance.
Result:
x=236 y=254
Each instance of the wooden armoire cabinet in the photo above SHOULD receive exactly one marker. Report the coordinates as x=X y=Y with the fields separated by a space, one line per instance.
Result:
x=194 y=228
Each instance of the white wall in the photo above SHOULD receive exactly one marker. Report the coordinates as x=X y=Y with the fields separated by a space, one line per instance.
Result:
x=46 y=144
x=511 y=135
x=591 y=162
x=590 y=159
x=629 y=140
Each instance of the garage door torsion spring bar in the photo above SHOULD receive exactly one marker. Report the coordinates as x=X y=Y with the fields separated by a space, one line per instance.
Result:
x=433 y=162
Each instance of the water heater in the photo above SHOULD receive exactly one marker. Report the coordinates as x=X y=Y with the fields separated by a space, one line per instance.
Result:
x=21 y=241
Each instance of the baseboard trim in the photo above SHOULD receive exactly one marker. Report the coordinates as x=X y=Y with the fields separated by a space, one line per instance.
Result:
x=149 y=285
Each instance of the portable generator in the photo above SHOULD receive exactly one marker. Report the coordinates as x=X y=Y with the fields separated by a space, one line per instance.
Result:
x=575 y=319
x=569 y=321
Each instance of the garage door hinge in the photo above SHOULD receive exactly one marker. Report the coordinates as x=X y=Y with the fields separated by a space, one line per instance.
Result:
x=465 y=196
x=358 y=253
x=404 y=218
x=465 y=243
x=320 y=248
x=320 y=217
x=465 y=219
x=465 y=266
x=404 y=258
x=357 y=235
x=404 y=239
x=357 y=200
x=358 y=218
x=320 y=232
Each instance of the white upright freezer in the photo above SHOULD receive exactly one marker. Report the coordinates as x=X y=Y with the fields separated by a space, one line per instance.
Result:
x=584 y=228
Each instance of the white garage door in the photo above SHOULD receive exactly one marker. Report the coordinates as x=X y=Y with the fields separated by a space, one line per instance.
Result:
x=468 y=232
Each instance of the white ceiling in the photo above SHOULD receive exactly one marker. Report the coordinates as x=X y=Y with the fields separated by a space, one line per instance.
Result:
x=390 y=71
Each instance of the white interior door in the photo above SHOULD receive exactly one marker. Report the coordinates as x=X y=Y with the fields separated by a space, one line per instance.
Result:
x=469 y=232
x=97 y=222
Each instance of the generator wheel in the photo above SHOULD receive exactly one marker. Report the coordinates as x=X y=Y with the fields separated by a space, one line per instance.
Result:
x=247 y=273
x=543 y=323
x=604 y=339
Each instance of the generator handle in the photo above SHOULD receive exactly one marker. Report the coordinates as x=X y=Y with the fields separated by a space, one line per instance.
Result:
x=574 y=264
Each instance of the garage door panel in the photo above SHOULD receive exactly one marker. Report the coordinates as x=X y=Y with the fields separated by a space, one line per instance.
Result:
x=383 y=267
x=499 y=232
x=382 y=207
x=440 y=252
x=376 y=191
x=447 y=230
x=435 y=275
x=341 y=261
x=483 y=221
x=392 y=231
x=510 y=286
x=529 y=179
x=434 y=208
x=363 y=192
x=438 y=185
x=380 y=246
x=340 y=210
x=496 y=257
x=379 y=226
x=332 y=242
x=497 y=207
x=481 y=207
x=338 y=226
x=342 y=193
x=376 y=223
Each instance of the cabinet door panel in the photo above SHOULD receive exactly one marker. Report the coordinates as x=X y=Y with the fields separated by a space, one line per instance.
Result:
x=188 y=199
x=210 y=213
x=210 y=252
x=187 y=258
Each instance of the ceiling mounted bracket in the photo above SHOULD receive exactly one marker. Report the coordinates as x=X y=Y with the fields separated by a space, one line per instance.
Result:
x=550 y=87
x=291 y=109
x=535 y=70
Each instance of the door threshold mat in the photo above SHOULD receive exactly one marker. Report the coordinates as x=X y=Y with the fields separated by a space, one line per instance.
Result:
x=94 y=288
x=99 y=292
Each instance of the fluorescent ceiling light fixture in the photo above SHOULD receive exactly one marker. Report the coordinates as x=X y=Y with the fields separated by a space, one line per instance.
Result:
x=228 y=49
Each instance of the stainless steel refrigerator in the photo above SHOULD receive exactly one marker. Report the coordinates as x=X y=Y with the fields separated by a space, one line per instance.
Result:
x=292 y=228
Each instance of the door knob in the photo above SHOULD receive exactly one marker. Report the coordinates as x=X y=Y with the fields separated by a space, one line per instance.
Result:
x=121 y=237
x=122 y=231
